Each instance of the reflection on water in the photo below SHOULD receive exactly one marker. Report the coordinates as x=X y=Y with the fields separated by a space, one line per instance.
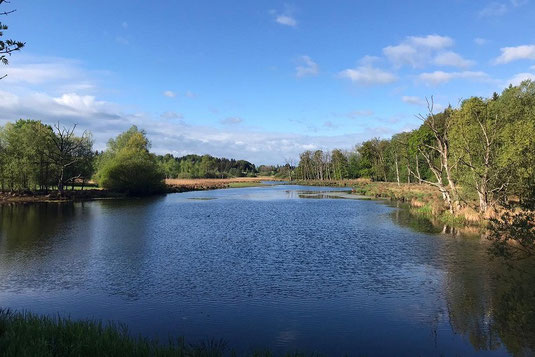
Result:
x=264 y=267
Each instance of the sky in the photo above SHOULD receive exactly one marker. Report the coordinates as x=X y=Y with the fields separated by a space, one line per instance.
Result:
x=258 y=80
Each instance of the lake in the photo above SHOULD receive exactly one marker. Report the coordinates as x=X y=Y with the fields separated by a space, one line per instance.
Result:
x=281 y=267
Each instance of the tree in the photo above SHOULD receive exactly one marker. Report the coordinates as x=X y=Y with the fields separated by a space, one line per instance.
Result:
x=67 y=151
x=128 y=166
x=7 y=46
x=516 y=109
x=475 y=131
x=434 y=146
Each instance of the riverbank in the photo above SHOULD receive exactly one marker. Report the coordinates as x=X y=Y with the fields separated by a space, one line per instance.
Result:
x=54 y=196
x=423 y=200
x=183 y=185
x=94 y=193
x=28 y=334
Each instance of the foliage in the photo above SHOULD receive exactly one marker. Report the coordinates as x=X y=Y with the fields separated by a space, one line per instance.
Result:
x=7 y=46
x=34 y=156
x=205 y=166
x=481 y=154
x=128 y=166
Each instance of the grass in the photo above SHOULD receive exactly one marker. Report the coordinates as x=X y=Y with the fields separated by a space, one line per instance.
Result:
x=27 y=334
x=245 y=184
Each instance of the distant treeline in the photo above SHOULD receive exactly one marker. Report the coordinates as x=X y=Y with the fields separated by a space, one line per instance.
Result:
x=483 y=152
x=205 y=166
x=39 y=157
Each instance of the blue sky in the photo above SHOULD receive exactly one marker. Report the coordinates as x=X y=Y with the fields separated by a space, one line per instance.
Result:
x=259 y=80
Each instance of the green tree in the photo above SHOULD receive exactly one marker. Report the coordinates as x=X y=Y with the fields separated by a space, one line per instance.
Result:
x=7 y=46
x=128 y=166
x=516 y=108
x=474 y=137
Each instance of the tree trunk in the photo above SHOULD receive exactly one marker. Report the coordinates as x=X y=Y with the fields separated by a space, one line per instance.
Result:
x=60 y=181
x=397 y=171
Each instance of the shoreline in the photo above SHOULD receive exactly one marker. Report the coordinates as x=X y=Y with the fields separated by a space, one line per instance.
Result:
x=423 y=200
x=91 y=193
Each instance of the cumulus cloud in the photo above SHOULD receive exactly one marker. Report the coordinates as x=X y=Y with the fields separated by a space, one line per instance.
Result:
x=75 y=98
x=106 y=120
x=367 y=74
x=519 y=78
x=416 y=51
x=439 y=77
x=307 y=67
x=169 y=94
x=510 y=54
x=40 y=73
x=285 y=17
x=453 y=59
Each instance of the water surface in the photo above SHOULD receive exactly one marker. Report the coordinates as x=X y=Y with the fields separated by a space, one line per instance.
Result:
x=281 y=267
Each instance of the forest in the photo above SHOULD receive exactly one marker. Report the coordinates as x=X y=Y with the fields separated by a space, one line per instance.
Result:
x=482 y=152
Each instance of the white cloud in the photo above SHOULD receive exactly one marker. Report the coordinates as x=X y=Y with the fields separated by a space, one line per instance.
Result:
x=439 y=77
x=53 y=90
x=453 y=59
x=286 y=20
x=169 y=94
x=232 y=121
x=414 y=100
x=366 y=74
x=510 y=54
x=26 y=70
x=493 y=9
x=307 y=68
x=518 y=78
x=416 y=51
x=480 y=41
x=285 y=17
x=124 y=24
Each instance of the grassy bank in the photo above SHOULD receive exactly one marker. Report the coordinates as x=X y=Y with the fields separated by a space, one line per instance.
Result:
x=424 y=200
x=54 y=196
x=27 y=334
x=182 y=185
x=93 y=192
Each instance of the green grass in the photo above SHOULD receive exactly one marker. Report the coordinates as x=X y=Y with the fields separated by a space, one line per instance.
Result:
x=245 y=184
x=27 y=334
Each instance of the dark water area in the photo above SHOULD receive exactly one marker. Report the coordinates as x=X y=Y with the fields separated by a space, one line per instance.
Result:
x=281 y=267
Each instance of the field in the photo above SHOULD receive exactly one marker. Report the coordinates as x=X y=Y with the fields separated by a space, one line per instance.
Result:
x=206 y=184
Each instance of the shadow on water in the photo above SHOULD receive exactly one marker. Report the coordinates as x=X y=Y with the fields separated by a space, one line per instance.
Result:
x=489 y=303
